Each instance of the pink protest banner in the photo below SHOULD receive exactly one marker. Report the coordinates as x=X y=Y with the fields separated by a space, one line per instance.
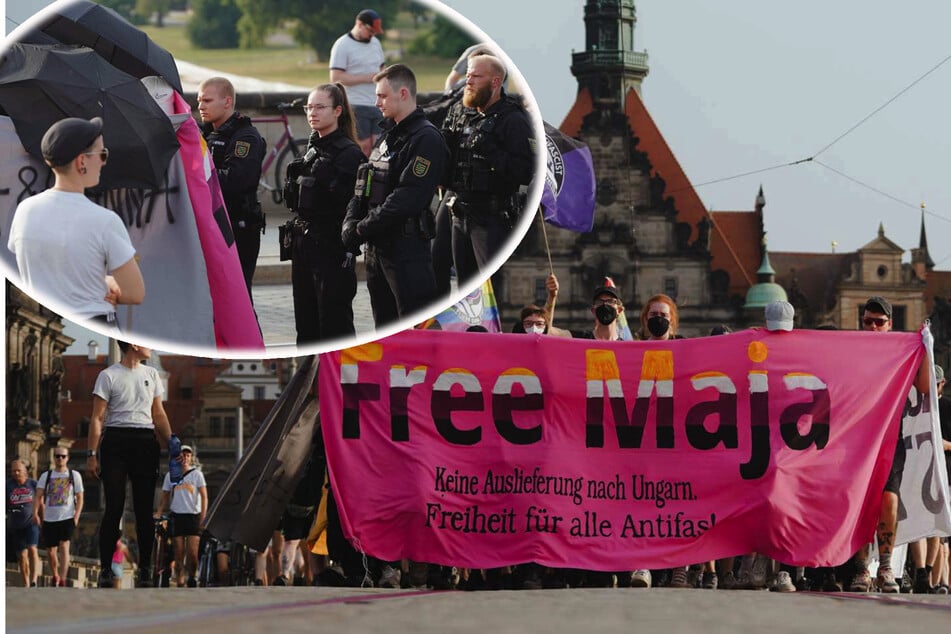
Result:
x=486 y=450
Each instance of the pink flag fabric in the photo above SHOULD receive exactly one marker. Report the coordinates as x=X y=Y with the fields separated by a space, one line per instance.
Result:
x=483 y=451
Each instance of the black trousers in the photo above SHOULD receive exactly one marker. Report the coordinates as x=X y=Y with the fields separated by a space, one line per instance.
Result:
x=442 y=248
x=248 y=243
x=400 y=278
x=475 y=243
x=324 y=284
x=128 y=455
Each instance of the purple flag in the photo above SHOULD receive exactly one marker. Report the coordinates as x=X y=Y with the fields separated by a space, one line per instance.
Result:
x=568 y=197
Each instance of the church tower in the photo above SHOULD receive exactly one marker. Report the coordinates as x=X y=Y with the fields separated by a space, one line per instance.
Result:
x=609 y=66
x=651 y=231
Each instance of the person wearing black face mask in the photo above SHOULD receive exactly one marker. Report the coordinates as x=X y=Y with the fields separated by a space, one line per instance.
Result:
x=606 y=306
x=659 y=319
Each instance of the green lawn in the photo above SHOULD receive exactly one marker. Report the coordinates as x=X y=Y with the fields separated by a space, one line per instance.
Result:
x=289 y=64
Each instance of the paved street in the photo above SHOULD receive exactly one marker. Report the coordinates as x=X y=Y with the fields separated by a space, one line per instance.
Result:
x=663 y=610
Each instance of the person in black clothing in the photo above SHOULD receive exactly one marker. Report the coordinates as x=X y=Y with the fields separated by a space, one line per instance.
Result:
x=238 y=150
x=319 y=186
x=493 y=159
x=390 y=210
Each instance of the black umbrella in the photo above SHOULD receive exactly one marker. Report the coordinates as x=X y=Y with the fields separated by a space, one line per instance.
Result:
x=40 y=85
x=126 y=47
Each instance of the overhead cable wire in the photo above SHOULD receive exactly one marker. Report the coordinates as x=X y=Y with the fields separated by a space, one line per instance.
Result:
x=883 y=106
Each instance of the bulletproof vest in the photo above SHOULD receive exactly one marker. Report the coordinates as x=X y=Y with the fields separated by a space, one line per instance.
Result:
x=375 y=179
x=241 y=205
x=473 y=168
x=312 y=178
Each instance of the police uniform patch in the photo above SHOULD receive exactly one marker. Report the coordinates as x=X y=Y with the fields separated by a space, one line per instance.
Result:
x=421 y=166
x=242 y=149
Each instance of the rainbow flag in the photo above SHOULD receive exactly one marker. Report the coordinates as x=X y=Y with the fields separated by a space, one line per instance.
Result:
x=478 y=308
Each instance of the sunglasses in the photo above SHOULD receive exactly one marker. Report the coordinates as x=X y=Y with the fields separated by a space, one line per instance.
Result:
x=878 y=321
x=103 y=154
x=60 y=455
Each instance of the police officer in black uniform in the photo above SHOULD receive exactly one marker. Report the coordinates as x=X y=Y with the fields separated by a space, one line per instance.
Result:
x=390 y=210
x=318 y=187
x=493 y=160
x=238 y=150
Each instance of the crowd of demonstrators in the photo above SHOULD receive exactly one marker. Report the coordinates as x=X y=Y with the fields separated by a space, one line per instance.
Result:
x=59 y=503
x=68 y=247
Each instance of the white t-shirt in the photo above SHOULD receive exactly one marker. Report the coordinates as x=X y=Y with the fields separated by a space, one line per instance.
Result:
x=185 y=499
x=59 y=496
x=65 y=244
x=353 y=56
x=129 y=394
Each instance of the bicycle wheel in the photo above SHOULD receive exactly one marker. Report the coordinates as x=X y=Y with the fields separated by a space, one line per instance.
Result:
x=295 y=148
x=206 y=563
x=158 y=557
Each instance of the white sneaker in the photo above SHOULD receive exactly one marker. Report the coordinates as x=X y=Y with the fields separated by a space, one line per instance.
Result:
x=759 y=571
x=783 y=583
x=389 y=577
x=641 y=579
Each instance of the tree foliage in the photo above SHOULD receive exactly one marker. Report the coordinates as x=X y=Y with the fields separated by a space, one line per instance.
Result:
x=312 y=23
x=443 y=39
x=158 y=8
x=213 y=24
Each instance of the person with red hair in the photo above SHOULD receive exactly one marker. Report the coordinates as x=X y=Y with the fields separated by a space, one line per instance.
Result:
x=659 y=319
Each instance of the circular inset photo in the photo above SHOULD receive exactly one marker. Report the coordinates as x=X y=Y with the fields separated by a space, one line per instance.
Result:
x=311 y=182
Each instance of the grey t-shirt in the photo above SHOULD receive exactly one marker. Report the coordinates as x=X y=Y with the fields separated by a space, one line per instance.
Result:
x=353 y=56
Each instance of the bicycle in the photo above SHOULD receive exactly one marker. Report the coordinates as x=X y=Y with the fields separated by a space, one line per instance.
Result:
x=162 y=555
x=286 y=145
x=207 y=564
x=241 y=565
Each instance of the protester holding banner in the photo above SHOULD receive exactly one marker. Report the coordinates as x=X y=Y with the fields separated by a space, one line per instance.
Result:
x=606 y=306
x=127 y=413
x=877 y=317
x=237 y=150
x=318 y=187
x=390 y=210
x=493 y=158
x=67 y=247
x=659 y=319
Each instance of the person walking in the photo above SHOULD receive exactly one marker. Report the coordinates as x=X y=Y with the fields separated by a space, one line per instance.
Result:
x=187 y=500
x=319 y=186
x=67 y=247
x=355 y=59
x=237 y=150
x=59 y=503
x=22 y=529
x=127 y=415
x=390 y=210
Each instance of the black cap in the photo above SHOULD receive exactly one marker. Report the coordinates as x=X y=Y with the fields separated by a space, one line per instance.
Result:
x=879 y=304
x=601 y=290
x=67 y=138
x=372 y=19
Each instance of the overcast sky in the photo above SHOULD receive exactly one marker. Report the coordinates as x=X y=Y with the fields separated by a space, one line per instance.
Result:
x=741 y=85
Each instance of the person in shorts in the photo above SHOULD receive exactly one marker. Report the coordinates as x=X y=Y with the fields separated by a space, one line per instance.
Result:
x=188 y=503
x=59 y=503
x=355 y=58
x=23 y=532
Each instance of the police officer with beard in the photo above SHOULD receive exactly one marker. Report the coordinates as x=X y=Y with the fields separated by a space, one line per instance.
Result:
x=493 y=160
x=237 y=150
x=390 y=210
x=318 y=187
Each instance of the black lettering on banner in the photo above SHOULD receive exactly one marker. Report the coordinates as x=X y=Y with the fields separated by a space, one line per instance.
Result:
x=401 y=383
x=504 y=402
x=818 y=409
x=759 y=427
x=723 y=408
x=934 y=504
x=444 y=404
x=352 y=390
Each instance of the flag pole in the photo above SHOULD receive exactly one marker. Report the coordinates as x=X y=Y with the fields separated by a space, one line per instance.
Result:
x=550 y=303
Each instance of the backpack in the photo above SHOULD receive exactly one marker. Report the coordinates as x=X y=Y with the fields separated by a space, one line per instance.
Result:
x=49 y=478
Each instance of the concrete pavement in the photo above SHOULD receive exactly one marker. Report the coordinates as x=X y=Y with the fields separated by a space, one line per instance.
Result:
x=661 y=610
